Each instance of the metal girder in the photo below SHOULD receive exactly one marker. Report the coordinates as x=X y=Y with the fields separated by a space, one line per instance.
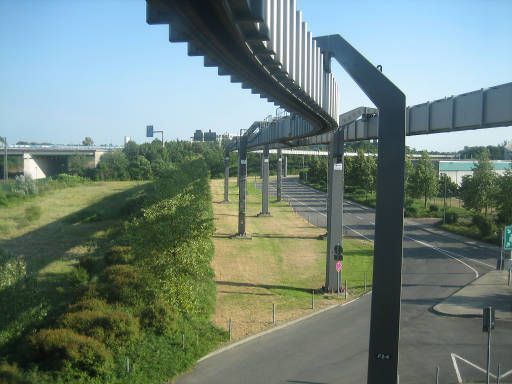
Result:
x=259 y=43
x=387 y=261
x=335 y=188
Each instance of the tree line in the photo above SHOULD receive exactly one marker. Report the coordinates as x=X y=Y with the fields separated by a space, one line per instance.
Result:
x=484 y=193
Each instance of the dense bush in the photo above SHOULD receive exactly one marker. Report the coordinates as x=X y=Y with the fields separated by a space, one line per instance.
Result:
x=118 y=254
x=10 y=374
x=88 y=263
x=109 y=326
x=61 y=349
x=484 y=225
x=433 y=208
x=78 y=277
x=451 y=217
x=113 y=166
x=158 y=317
x=125 y=284
x=88 y=304
x=24 y=186
x=12 y=269
x=172 y=239
x=410 y=211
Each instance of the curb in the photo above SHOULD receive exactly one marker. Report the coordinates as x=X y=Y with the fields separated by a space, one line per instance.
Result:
x=266 y=332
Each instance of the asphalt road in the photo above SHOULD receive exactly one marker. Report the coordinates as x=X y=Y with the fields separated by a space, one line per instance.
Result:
x=332 y=347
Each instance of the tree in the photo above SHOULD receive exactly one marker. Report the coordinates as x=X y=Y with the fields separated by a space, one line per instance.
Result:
x=78 y=164
x=113 y=166
x=87 y=141
x=503 y=198
x=408 y=170
x=369 y=174
x=451 y=187
x=477 y=191
x=358 y=169
x=423 y=181
x=140 y=168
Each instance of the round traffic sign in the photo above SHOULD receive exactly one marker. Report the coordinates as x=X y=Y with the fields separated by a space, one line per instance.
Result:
x=339 y=266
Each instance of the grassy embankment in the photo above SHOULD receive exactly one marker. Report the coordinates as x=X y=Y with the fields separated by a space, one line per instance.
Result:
x=282 y=264
x=109 y=283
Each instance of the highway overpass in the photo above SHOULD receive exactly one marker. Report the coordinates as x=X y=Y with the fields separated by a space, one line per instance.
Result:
x=39 y=162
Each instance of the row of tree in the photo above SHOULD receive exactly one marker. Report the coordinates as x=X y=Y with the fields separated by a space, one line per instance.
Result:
x=147 y=160
x=480 y=193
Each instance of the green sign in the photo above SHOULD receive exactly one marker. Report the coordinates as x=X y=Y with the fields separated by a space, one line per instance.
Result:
x=507 y=238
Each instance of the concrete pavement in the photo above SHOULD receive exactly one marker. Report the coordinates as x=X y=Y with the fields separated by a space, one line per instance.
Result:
x=491 y=289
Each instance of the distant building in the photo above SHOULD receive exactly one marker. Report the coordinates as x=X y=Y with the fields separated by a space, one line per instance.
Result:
x=127 y=139
x=210 y=136
x=508 y=151
x=455 y=170
x=198 y=135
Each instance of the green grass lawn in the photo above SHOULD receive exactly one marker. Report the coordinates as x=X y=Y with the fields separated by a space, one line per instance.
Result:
x=70 y=223
x=282 y=263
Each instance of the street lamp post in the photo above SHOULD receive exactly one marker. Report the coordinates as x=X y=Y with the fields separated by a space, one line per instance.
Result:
x=444 y=204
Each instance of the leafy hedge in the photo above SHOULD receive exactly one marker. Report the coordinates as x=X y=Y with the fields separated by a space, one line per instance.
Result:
x=151 y=288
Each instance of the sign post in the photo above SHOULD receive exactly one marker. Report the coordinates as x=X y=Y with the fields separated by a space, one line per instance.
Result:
x=488 y=325
x=506 y=263
x=339 y=267
x=338 y=256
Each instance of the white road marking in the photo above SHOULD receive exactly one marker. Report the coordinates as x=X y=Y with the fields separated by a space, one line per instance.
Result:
x=358 y=217
x=456 y=357
x=444 y=253
x=450 y=254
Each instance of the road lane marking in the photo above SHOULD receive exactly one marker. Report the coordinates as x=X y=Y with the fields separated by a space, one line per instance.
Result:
x=456 y=357
x=446 y=253
x=450 y=254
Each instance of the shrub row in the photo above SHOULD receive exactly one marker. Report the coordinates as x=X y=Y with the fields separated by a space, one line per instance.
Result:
x=152 y=281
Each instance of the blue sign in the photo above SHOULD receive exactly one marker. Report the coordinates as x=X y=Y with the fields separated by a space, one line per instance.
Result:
x=149 y=131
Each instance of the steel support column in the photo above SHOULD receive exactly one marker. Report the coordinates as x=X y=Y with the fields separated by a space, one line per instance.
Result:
x=264 y=183
x=285 y=166
x=226 y=178
x=387 y=261
x=335 y=184
x=242 y=189
x=279 y=185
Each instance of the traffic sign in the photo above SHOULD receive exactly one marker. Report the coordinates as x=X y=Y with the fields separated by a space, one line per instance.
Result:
x=339 y=266
x=149 y=131
x=338 y=252
x=507 y=238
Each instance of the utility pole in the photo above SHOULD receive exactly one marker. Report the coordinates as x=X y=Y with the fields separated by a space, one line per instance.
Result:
x=4 y=139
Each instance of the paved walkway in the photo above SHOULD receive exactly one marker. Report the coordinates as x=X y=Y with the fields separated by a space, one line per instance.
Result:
x=490 y=289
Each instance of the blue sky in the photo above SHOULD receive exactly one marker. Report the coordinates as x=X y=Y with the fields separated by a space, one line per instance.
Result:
x=70 y=69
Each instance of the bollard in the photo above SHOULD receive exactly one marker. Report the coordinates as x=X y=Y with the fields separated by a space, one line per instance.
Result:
x=346 y=289
x=128 y=365
x=437 y=375
x=183 y=340
x=499 y=374
x=313 y=299
x=365 y=282
x=229 y=329
x=509 y=272
x=197 y=339
x=273 y=314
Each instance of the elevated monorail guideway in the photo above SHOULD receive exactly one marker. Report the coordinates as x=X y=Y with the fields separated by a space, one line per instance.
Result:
x=263 y=44
x=483 y=108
